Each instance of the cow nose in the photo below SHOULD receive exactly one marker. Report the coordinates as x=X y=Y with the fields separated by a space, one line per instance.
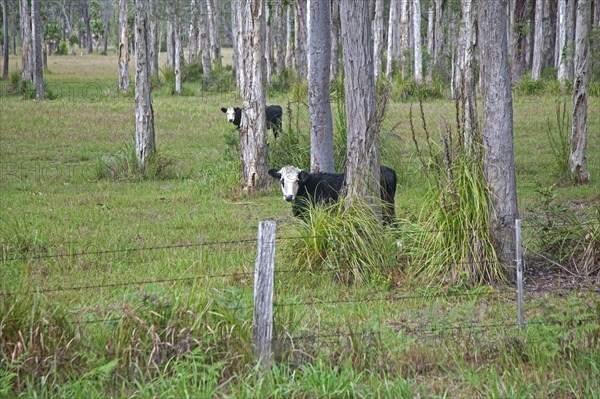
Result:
x=288 y=198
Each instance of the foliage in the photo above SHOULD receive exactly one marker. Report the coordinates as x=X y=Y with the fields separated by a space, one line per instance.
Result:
x=529 y=86
x=63 y=49
x=124 y=165
x=351 y=244
x=450 y=242
x=73 y=40
x=52 y=31
x=560 y=233
x=559 y=141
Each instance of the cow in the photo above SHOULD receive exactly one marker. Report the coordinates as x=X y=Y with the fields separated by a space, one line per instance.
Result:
x=274 y=115
x=302 y=189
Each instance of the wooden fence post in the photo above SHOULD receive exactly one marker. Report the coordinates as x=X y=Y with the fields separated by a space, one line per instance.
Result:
x=519 y=274
x=262 y=324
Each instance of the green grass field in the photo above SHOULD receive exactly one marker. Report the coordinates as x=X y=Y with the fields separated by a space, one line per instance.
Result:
x=143 y=288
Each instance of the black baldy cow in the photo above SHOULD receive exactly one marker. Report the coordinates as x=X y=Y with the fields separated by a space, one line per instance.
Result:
x=274 y=116
x=302 y=188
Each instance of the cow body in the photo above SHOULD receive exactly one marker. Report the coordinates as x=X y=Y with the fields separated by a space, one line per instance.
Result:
x=274 y=117
x=302 y=188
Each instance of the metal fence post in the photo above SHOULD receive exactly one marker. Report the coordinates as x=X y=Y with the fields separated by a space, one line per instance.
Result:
x=262 y=324
x=519 y=274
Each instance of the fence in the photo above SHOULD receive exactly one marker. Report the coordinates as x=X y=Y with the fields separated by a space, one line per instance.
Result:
x=264 y=307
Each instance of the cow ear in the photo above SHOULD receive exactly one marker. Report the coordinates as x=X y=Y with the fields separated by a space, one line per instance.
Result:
x=302 y=176
x=224 y=110
x=274 y=173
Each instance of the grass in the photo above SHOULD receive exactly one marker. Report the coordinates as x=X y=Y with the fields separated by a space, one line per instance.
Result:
x=174 y=320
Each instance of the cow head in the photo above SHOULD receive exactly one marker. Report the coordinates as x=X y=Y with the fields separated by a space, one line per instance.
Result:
x=230 y=113
x=290 y=178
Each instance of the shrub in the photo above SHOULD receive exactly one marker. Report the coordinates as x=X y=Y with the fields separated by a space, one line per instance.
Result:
x=530 y=87
x=63 y=48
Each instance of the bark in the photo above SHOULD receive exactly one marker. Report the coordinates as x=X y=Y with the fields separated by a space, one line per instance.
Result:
x=467 y=86
x=289 y=53
x=319 y=106
x=235 y=56
x=577 y=158
x=549 y=21
x=178 y=46
x=268 y=46
x=239 y=15
x=170 y=38
x=253 y=144
x=123 y=47
x=38 y=63
x=88 y=26
x=392 y=38
x=193 y=39
x=519 y=42
x=144 y=114
x=154 y=37
x=403 y=43
x=362 y=160
x=561 y=42
x=538 y=41
x=301 y=39
x=213 y=12
x=106 y=24
x=27 y=44
x=335 y=39
x=279 y=38
x=430 y=42
x=499 y=165
x=570 y=37
x=418 y=56
x=439 y=36
x=377 y=37
x=205 y=41
x=6 y=42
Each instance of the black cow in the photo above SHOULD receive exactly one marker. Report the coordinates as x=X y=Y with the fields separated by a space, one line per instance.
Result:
x=274 y=116
x=301 y=188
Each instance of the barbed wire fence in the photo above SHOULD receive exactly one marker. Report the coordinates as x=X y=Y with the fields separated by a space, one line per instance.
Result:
x=264 y=307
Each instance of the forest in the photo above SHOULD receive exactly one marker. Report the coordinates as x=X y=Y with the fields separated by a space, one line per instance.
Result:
x=135 y=218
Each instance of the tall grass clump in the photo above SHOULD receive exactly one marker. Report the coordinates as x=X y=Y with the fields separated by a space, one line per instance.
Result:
x=570 y=239
x=124 y=165
x=559 y=141
x=530 y=87
x=352 y=244
x=449 y=241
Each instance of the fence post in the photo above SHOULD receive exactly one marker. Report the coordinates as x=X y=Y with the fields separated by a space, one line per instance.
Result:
x=519 y=274
x=262 y=324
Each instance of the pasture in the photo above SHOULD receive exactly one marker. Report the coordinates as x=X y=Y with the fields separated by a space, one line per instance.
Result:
x=143 y=288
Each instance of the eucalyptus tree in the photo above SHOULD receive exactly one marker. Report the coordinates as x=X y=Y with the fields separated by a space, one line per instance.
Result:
x=279 y=37
x=497 y=132
x=213 y=15
x=253 y=142
x=153 y=37
x=5 y=39
x=300 y=39
x=519 y=41
x=27 y=43
x=417 y=51
x=577 y=158
x=362 y=158
x=538 y=41
x=193 y=32
x=38 y=64
x=335 y=39
x=144 y=113
x=319 y=106
x=204 y=38
x=123 y=46
x=289 y=45
x=378 y=37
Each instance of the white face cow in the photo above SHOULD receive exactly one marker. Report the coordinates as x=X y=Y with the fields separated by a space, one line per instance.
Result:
x=230 y=113
x=289 y=176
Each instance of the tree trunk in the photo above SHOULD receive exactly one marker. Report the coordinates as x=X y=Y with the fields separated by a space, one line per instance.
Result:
x=6 y=42
x=561 y=42
x=499 y=164
x=38 y=63
x=392 y=38
x=27 y=44
x=144 y=114
x=319 y=106
x=403 y=48
x=106 y=25
x=205 y=39
x=253 y=143
x=235 y=56
x=289 y=48
x=417 y=41
x=268 y=46
x=577 y=159
x=123 y=47
x=88 y=26
x=335 y=39
x=549 y=19
x=170 y=38
x=240 y=66
x=154 y=37
x=279 y=38
x=377 y=37
x=178 y=47
x=570 y=37
x=362 y=161
x=193 y=40
x=213 y=25
x=430 y=42
x=301 y=39
x=467 y=86
x=519 y=42
x=538 y=41
x=439 y=36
